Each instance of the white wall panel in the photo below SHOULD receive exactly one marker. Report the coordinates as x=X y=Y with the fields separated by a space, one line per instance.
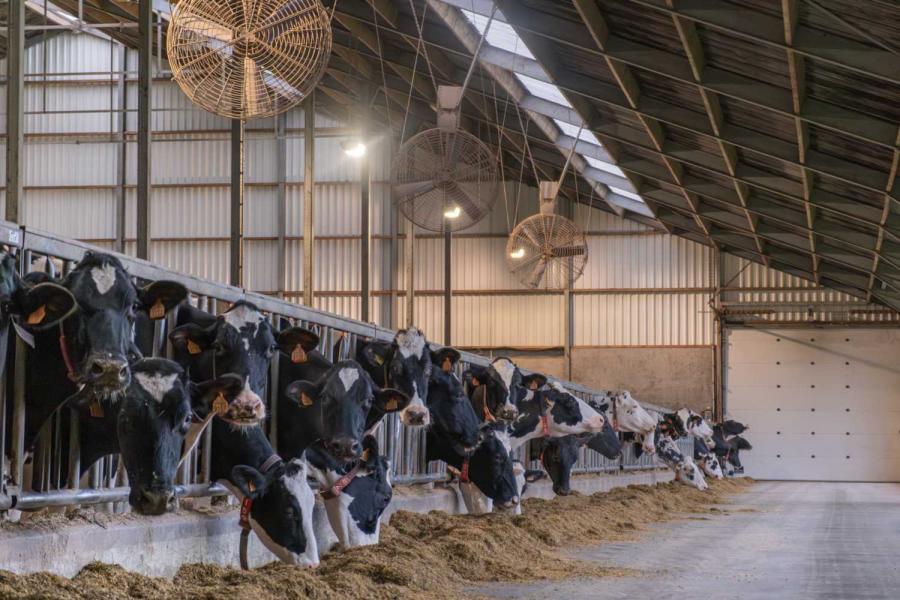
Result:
x=535 y=321
x=189 y=212
x=79 y=214
x=337 y=265
x=60 y=164
x=261 y=212
x=642 y=320
x=203 y=259
x=260 y=260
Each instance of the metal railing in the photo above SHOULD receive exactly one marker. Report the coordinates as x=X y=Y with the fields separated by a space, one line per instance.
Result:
x=106 y=481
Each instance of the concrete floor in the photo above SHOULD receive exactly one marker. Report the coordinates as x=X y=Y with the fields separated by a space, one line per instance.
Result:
x=801 y=541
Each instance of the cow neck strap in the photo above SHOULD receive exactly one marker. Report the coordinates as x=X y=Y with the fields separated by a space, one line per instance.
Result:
x=67 y=358
x=545 y=425
x=464 y=472
x=341 y=484
x=246 y=506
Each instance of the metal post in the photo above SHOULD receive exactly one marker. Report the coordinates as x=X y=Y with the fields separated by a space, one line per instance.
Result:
x=569 y=308
x=145 y=52
x=448 y=287
x=719 y=361
x=410 y=244
x=236 y=244
x=309 y=114
x=15 y=110
x=365 y=215
x=281 y=200
x=122 y=175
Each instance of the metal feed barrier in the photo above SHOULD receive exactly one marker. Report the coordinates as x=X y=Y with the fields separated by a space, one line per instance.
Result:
x=106 y=483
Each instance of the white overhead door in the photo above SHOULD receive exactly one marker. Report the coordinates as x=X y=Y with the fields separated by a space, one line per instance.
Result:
x=822 y=404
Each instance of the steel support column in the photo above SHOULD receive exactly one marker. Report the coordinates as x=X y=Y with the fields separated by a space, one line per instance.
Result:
x=122 y=171
x=236 y=241
x=365 y=212
x=309 y=139
x=448 y=288
x=409 y=267
x=145 y=76
x=281 y=200
x=15 y=110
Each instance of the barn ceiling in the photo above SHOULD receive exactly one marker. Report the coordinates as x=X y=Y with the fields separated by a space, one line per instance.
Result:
x=766 y=129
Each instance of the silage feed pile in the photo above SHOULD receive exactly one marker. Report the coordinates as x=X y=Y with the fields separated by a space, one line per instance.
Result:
x=431 y=555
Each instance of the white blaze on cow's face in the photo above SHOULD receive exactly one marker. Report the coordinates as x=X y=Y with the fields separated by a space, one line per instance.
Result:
x=696 y=426
x=690 y=474
x=631 y=415
x=413 y=348
x=240 y=317
x=507 y=370
x=104 y=278
x=156 y=385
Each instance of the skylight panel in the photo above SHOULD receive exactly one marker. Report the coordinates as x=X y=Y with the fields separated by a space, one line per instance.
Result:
x=604 y=166
x=570 y=130
x=501 y=35
x=628 y=195
x=544 y=90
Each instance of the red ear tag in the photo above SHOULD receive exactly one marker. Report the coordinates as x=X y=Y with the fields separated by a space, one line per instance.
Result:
x=220 y=404
x=298 y=355
x=97 y=410
x=193 y=347
x=158 y=310
x=37 y=316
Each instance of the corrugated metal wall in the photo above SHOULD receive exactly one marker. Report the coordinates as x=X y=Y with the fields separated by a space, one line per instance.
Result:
x=640 y=287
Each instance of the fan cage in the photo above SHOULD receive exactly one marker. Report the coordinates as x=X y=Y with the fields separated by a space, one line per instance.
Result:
x=444 y=180
x=244 y=59
x=547 y=251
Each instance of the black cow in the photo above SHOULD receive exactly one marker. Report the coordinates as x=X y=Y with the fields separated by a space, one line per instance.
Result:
x=86 y=359
x=496 y=390
x=558 y=455
x=345 y=404
x=152 y=421
x=707 y=459
x=552 y=412
x=728 y=444
x=404 y=364
x=355 y=494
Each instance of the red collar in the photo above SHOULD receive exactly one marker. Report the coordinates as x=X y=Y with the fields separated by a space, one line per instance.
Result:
x=247 y=501
x=464 y=472
x=545 y=426
x=341 y=484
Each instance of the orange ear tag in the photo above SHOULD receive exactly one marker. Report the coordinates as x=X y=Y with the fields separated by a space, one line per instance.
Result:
x=447 y=366
x=298 y=355
x=37 y=316
x=251 y=486
x=391 y=404
x=365 y=456
x=305 y=400
x=97 y=410
x=158 y=310
x=193 y=347
x=220 y=404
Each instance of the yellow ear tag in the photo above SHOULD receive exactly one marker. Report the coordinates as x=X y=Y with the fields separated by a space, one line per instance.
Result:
x=298 y=355
x=447 y=365
x=391 y=404
x=37 y=316
x=193 y=347
x=305 y=400
x=96 y=410
x=365 y=456
x=251 y=486
x=379 y=359
x=220 y=404
x=158 y=310
x=475 y=381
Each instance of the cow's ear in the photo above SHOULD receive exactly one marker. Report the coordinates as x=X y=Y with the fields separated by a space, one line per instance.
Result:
x=297 y=342
x=159 y=297
x=45 y=305
x=474 y=377
x=250 y=482
x=375 y=354
x=390 y=400
x=193 y=338
x=445 y=359
x=204 y=395
x=534 y=381
x=370 y=450
x=304 y=393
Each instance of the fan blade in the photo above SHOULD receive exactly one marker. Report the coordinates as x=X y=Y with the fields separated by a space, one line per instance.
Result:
x=567 y=251
x=410 y=190
x=251 y=87
x=538 y=273
x=465 y=201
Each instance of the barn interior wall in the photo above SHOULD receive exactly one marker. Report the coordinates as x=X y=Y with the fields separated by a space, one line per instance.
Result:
x=640 y=313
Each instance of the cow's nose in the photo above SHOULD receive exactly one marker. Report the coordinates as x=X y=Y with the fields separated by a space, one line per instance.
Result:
x=155 y=503
x=508 y=413
x=415 y=416
x=108 y=369
x=346 y=448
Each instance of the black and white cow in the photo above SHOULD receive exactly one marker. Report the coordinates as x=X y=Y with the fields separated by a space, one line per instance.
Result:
x=404 y=364
x=628 y=416
x=707 y=459
x=728 y=444
x=355 y=494
x=86 y=359
x=686 y=471
x=558 y=456
x=151 y=423
x=553 y=412
x=496 y=390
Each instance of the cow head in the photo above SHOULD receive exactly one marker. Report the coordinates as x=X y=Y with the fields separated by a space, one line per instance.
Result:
x=607 y=442
x=696 y=426
x=500 y=388
x=405 y=364
x=491 y=468
x=558 y=457
x=741 y=443
x=671 y=425
x=354 y=514
x=554 y=412
x=630 y=415
x=100 y=334
x=281 y=509
x=241 y=342
x=710 y=465
x=731 y=427
x=453 y=420
x=347 y=403
x=690 y=474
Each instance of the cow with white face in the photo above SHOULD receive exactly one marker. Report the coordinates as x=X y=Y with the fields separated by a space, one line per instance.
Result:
x=496 y=390
x=404 y=364
x=553 y=412
x=628 y=416
x=707 y=459
x=696 y=426
x=686 y=471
